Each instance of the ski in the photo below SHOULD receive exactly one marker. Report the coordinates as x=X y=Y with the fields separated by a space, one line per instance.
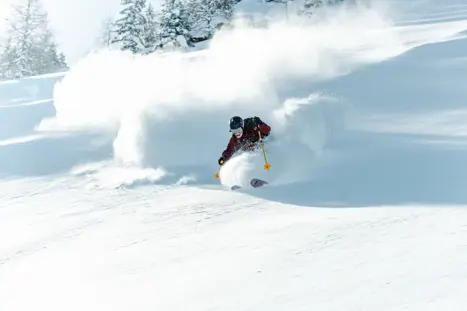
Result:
x=255 y=183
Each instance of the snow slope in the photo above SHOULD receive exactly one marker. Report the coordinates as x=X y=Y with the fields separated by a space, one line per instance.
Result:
x=108 y=200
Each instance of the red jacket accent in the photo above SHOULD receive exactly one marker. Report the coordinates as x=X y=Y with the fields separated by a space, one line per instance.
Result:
x=249 y=138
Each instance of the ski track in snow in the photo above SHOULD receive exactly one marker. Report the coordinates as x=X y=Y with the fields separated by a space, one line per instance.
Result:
x=366 y=210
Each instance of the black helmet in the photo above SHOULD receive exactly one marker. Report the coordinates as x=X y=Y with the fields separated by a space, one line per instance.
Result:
x=235 y=123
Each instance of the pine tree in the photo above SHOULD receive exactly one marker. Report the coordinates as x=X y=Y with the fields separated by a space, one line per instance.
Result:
x=174 y=26
x=310 y=5
x=30 y=48
x=150 y=36
x=203 y=15
x=30 y=22
x=223 y=8
x=7 y=64
x=130 y=27
x=107 y=32
x=48 y=59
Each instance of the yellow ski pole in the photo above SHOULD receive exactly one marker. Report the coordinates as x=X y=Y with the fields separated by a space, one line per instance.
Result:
x=267 y=166
x=216 y=176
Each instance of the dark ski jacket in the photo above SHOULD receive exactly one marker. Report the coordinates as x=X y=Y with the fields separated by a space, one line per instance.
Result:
x=250 y=136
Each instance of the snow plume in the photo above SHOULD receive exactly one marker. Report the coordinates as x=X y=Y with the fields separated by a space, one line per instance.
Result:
x=172 y=110
x=300 y=134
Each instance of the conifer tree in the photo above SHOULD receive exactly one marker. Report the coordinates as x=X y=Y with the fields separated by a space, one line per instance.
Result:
x=7 y=64
x=314 y=4
x=30 y=48
x=150 y=36
x=203 y=15
x=174 y=26
x=130 y=27
x=48 y=59
x=106 y=33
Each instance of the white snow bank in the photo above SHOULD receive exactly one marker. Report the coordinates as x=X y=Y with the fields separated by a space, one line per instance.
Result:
x=173 y=109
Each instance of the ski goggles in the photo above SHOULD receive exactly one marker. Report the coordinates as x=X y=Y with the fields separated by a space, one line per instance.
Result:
x=235 y=131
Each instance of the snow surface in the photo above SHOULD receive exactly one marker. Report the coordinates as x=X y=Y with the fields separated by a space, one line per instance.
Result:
x=108 y=200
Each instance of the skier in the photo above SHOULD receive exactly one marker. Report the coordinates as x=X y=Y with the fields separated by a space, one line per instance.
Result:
x=245 y=135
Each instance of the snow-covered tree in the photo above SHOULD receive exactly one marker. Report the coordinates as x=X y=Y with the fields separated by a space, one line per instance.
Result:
x=28 y=23
x=174 y=26
x=150 y=36
x=8 y=68
x=48 y=59
x=106 y=34
x=313 y=3
x=30 y=48
x=130 y=27
x=206 y=15
x=223 y=7
x=310 y=6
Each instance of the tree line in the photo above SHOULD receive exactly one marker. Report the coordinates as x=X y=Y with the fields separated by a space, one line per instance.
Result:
x=29 y=48
x=180 y=23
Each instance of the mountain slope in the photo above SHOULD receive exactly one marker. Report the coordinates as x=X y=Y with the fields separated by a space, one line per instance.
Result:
x=110 y=203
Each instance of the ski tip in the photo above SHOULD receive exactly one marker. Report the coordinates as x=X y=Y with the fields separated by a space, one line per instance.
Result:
x=256 y=182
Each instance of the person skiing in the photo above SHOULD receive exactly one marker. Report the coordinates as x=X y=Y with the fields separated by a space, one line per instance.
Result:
x=245 y=135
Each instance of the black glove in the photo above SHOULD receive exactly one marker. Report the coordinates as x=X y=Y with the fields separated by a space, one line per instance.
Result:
x=221 y=161
x=253 y=139
x=256 y=129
